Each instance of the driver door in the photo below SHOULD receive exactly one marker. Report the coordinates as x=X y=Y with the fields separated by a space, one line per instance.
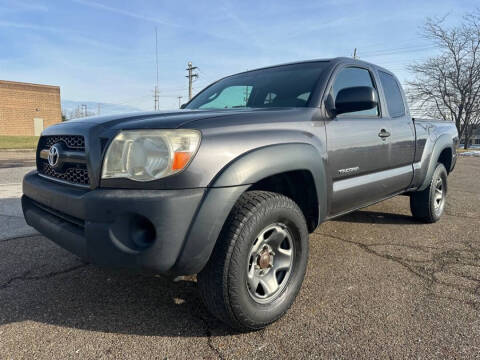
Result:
x=357 y=153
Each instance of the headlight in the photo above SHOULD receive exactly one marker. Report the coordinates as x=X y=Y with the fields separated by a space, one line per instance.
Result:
x=145 y=155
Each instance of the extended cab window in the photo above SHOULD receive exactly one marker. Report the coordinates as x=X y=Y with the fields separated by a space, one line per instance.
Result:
x=395 y=104
x=352 y=77
x=280 y=86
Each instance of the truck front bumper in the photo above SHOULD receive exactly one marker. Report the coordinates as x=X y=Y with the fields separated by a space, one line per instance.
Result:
x=145 y=229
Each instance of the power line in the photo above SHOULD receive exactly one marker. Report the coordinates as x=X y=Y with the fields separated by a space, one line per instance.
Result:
x=207 y=77
x=404 y=42
x=405 y=50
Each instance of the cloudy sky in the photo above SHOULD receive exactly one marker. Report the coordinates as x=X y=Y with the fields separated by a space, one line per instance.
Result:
x=104 y=51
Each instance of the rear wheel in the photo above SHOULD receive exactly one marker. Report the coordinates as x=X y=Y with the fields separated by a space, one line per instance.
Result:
x=259 y=262
x=428 y=205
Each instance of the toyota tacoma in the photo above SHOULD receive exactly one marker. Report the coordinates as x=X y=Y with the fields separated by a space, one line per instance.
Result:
x=230 y=186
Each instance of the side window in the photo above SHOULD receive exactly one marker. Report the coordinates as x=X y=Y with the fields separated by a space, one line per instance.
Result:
x=230 y=97
x=395 y=104
x=269 y=98
x=304 y=96
x=351 y=77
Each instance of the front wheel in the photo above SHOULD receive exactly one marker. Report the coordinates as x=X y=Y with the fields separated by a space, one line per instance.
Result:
x=428 y=205
x=259 y=262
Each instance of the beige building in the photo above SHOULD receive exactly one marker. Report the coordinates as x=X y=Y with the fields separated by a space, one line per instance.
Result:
x=27 y=109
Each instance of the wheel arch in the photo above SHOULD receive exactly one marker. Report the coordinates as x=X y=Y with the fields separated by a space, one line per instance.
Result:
x=442 y=152
x=282 y=168
x=252 y=170
x=446 y=158
x=297 y=185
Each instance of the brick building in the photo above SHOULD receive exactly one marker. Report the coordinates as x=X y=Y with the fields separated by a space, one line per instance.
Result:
x=27 y=109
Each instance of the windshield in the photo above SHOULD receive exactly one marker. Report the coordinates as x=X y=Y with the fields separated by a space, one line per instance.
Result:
x=281 y=86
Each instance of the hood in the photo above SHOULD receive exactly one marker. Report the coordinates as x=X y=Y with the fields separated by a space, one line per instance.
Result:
x=147 y=120
x=138 y=120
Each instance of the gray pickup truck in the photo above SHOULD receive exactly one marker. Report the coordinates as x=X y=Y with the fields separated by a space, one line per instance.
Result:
x=230 y=186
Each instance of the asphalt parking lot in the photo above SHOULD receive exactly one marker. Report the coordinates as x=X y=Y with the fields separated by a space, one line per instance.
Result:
x=378 y=285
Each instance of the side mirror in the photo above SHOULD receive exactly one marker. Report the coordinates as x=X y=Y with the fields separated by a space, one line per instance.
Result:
x=183 y=106
x=355 y=99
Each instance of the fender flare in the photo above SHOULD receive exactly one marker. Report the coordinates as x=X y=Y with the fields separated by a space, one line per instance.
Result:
x=234 y=179
x=442 y=143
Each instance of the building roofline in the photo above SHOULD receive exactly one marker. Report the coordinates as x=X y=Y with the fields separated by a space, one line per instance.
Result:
x=8 y=82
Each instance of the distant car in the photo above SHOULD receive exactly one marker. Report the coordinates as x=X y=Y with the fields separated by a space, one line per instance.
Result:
x=230 y=187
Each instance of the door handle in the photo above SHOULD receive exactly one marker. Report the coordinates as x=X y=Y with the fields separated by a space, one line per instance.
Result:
x=384 y=134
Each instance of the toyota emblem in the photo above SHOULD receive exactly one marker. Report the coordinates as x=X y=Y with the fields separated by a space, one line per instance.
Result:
x=53 y=155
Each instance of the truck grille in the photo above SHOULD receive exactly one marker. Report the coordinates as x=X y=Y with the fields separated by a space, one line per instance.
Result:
x=74 y=142
x=74 y=173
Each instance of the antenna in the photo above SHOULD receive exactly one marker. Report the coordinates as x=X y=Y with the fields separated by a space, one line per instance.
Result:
x=156 y=52
x=156 y=93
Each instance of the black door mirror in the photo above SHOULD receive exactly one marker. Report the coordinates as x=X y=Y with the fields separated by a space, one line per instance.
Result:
x=183 y=106
x=355 y=99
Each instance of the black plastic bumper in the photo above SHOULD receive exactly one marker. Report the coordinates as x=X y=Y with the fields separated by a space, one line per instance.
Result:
x=125 y=228
x=167 y=231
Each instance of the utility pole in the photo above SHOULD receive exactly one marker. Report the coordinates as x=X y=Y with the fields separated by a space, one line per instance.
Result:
x=84 y=110
x=156 y=98
x=156 y=94
x=99 y=108
x=179 y=101
x=190 y=77
x=355 y=53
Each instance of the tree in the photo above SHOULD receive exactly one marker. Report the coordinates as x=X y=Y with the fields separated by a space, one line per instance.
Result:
x=448 y=85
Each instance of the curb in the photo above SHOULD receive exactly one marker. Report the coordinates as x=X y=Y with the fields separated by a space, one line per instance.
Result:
x=17 y=150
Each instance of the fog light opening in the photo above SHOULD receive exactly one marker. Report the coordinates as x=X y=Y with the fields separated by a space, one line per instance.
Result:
x=132 y=233
x=142 y=232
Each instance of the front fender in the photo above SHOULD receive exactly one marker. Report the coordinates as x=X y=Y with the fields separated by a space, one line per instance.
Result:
x=234 y=179
x=276 y=159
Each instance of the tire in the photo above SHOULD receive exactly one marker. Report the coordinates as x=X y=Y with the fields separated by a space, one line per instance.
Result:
x=263 y=227
x=428 y=205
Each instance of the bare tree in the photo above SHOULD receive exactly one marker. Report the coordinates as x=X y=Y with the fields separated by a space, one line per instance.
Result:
x=448 y=85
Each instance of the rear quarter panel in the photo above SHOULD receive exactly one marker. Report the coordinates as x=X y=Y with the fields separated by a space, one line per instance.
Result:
x=433 y=136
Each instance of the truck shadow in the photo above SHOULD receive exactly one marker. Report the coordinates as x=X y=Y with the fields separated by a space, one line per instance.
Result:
x=42 y=283
x=82 y=296
x=366 y=216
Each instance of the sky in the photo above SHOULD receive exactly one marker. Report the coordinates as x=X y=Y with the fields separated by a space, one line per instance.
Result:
x=104 y=51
